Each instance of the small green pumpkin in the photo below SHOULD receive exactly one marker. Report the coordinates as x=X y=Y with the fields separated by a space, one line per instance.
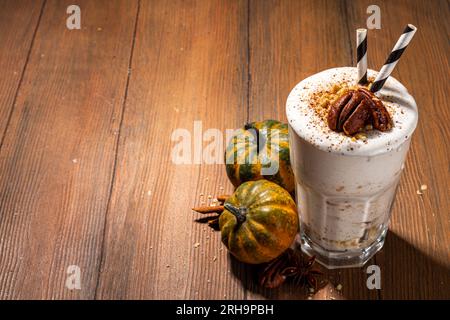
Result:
x=260 y=221
x=258 y=146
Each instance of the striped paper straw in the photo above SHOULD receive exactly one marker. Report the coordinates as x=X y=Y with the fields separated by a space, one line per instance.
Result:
x=361 y=55
x=393 y=58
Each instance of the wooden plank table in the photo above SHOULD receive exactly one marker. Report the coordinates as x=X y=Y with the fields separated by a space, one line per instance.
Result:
x=87 y=116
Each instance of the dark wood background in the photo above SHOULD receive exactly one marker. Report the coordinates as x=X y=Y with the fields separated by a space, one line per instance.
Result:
x=86 y=117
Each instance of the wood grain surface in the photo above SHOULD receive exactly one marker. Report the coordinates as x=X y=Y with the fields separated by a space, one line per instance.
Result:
x=57 y=159
x=22 y=17
x=187 y=66
x=88 y=120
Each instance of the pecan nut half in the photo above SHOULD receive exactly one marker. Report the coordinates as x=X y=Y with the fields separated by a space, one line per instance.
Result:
x=357 y=119
x=335 y=110
x=352 y=111
x=380 y=116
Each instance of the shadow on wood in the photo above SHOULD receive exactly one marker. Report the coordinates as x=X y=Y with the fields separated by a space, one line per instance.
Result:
x=340 y=283
x=248 y=275
x=403 y=262
x=353 y=281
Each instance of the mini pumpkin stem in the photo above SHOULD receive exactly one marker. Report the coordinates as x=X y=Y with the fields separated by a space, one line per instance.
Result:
x=240 y=213
x=248 y=125
x=255 y=132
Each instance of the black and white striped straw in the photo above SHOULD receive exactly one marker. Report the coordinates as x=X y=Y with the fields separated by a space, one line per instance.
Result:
x=393 y=58
x=361 y=55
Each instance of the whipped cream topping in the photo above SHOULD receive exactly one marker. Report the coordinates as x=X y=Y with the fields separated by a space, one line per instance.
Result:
x=308 y=124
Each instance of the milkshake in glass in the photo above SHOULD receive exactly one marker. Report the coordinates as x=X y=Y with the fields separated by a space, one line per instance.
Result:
x=346 y=184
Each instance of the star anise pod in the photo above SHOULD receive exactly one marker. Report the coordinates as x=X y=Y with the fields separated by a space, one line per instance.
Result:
x=290 y=265
x=272 y=275
x=302 y=273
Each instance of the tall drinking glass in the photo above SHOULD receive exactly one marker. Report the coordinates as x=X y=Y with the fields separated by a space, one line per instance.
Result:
x=345 y=186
